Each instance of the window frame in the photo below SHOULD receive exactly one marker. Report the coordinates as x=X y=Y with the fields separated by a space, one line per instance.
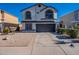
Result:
x=49 y=14
x=27 y=15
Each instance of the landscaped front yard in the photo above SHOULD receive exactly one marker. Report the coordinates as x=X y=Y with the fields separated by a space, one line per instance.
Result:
x=35 y=44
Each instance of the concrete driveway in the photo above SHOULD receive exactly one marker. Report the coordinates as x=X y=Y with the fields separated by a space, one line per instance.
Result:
x=34 y=44
x=45 y=45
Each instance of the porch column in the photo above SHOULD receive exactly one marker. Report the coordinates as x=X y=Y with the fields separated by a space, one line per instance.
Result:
x=23 y=26
x=34 y=27
x=56 y=25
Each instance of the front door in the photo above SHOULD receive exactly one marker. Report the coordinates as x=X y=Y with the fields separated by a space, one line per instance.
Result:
x=28 y=27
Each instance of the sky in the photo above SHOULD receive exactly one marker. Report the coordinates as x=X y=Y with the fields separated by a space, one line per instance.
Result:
x=15 y=8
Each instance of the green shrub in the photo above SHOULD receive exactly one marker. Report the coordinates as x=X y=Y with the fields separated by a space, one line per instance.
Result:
x=73 y=33
x=6 y=30
x=62 y=31
x=76 y=27
x=68 y=31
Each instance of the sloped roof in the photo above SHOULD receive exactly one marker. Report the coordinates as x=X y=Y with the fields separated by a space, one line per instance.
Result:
x=37 y=4
x=8 y=13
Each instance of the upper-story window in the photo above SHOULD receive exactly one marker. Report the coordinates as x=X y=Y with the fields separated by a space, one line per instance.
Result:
x=49 y=14
x=28 y=15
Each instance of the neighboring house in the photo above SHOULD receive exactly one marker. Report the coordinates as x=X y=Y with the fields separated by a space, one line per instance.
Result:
x=71 y=19
x=8 y=20
x=39 y=18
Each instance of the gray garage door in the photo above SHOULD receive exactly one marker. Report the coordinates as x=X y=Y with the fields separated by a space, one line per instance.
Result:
x=45 y=27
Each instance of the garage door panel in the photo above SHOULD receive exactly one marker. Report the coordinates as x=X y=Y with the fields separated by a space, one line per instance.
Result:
x=45 y=27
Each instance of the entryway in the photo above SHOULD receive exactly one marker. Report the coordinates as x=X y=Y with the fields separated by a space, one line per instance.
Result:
x=28 y=27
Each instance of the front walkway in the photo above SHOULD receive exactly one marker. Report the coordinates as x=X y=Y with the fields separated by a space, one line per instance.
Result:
x=35 y=44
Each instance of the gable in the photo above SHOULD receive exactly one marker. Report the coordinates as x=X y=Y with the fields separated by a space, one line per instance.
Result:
x=39 y=6
x=38 y=10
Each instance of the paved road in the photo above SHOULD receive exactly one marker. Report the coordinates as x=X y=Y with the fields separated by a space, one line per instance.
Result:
x=41 y=44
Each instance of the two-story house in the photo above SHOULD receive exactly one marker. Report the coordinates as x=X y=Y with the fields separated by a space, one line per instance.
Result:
x=71 y=19
x=8 y=20
x=39 y=18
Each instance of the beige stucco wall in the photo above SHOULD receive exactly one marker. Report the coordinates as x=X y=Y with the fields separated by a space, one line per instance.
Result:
x=8 y=18
x=67 y=19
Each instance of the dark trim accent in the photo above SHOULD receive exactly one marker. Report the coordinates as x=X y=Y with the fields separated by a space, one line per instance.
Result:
x=11 y=24
x=37 y=21
x=28 y=15
x=53 y=8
